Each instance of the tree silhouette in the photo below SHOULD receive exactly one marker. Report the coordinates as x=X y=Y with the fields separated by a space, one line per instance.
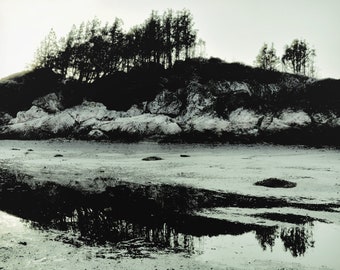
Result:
x=267 y=58
x=298 y=57
x=92 y=51
x=46 y=54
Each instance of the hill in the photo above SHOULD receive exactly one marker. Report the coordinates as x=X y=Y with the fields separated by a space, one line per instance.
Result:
x=195 y=100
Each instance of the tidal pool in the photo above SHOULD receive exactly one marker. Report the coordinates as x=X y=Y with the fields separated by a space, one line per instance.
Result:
x=77 y=205
x=166 y=218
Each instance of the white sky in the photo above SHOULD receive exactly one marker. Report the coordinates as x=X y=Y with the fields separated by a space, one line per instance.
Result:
x=234 y=30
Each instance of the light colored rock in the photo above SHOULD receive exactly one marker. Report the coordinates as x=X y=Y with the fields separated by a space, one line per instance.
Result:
x=207 y=123
x=298 y=118
x=320 y=118
x=244 y=121
x=330 y=119
x=5 y=118
x=335 y=122
x=145 y=124
x=50 y=103
x=240 y=87
x=134 y=111
x=96 y=134
x=288 y=119
x=58 y=123
x=24 y=116
x=36 y=120
x=199 y=104
x=165 y=103
x=266 y=121
x=92 y=110
x=277 y=125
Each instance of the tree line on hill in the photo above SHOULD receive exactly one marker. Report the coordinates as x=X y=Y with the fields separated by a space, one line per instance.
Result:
x=298 y=58
x=93 y=50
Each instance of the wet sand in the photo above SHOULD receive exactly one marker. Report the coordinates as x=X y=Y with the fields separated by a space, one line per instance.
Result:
x=230 y=223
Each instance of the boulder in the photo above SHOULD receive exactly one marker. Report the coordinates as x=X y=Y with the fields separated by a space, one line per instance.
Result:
x=289 y=119
x=58 y=124
x=5 y=118
x=207 y=123
x=244 y=121
x=145 y=124
x=51 y=103
x=275 y=183
x=166 y=103
x=96 y=134
x=199 y=103
x=24 y=116
x=240 y=87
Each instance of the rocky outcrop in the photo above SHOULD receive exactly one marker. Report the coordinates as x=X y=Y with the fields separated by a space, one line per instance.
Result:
x=165 y=103
x=50 y=103
x=289 y=119
x=187 y=111
x=244 y=121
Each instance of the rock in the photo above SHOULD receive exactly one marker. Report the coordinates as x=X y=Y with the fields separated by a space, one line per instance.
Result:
x=275 y=183
x=240 y=87
x=166 y=103
x=323 y=119
x=152 y=158
x=58 y=155
x=24 y=116
x=5 y=118
x=184 y=155
x=244 y=121
x=207 y=123
x=335 y=122
x=288 y=119
x=50 y=103
x=134 y=111
x=266 y=121
x=96 y=134
x=199 y=101
x=145 y=124
x=59 y=123
x=298 y=118
x=92 y=110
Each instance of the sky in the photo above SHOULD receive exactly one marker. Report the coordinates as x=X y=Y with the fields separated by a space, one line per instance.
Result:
x=234 y=30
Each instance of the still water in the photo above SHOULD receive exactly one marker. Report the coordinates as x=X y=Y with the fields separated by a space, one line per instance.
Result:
x=164 y=218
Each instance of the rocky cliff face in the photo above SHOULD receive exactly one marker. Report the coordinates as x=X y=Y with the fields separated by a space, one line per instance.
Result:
x=216 y=111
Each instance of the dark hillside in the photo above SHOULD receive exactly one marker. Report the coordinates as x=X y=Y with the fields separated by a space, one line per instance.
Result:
x=121 y=90
x=17 y=93
x=266 y=90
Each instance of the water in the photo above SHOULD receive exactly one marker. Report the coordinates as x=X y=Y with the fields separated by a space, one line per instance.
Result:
x=165 y=217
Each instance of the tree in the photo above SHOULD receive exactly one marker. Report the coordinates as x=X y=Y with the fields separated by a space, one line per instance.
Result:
x=299 y=58
x=184 y=36
x=168 y=42
x=267 y=58
x=46 y=54
x=92 y=51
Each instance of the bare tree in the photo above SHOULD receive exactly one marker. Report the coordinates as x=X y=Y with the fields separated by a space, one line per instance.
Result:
x=267 y=58
x=299 y=57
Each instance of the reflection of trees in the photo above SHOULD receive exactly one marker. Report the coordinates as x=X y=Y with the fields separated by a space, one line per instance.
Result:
x=266 y=237
x=98 y=226
x=158 y=215
x=297 y=240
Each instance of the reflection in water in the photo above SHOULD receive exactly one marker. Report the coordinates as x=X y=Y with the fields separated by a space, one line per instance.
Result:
x=266 y=237
x=297 y=240
x=161 y=215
